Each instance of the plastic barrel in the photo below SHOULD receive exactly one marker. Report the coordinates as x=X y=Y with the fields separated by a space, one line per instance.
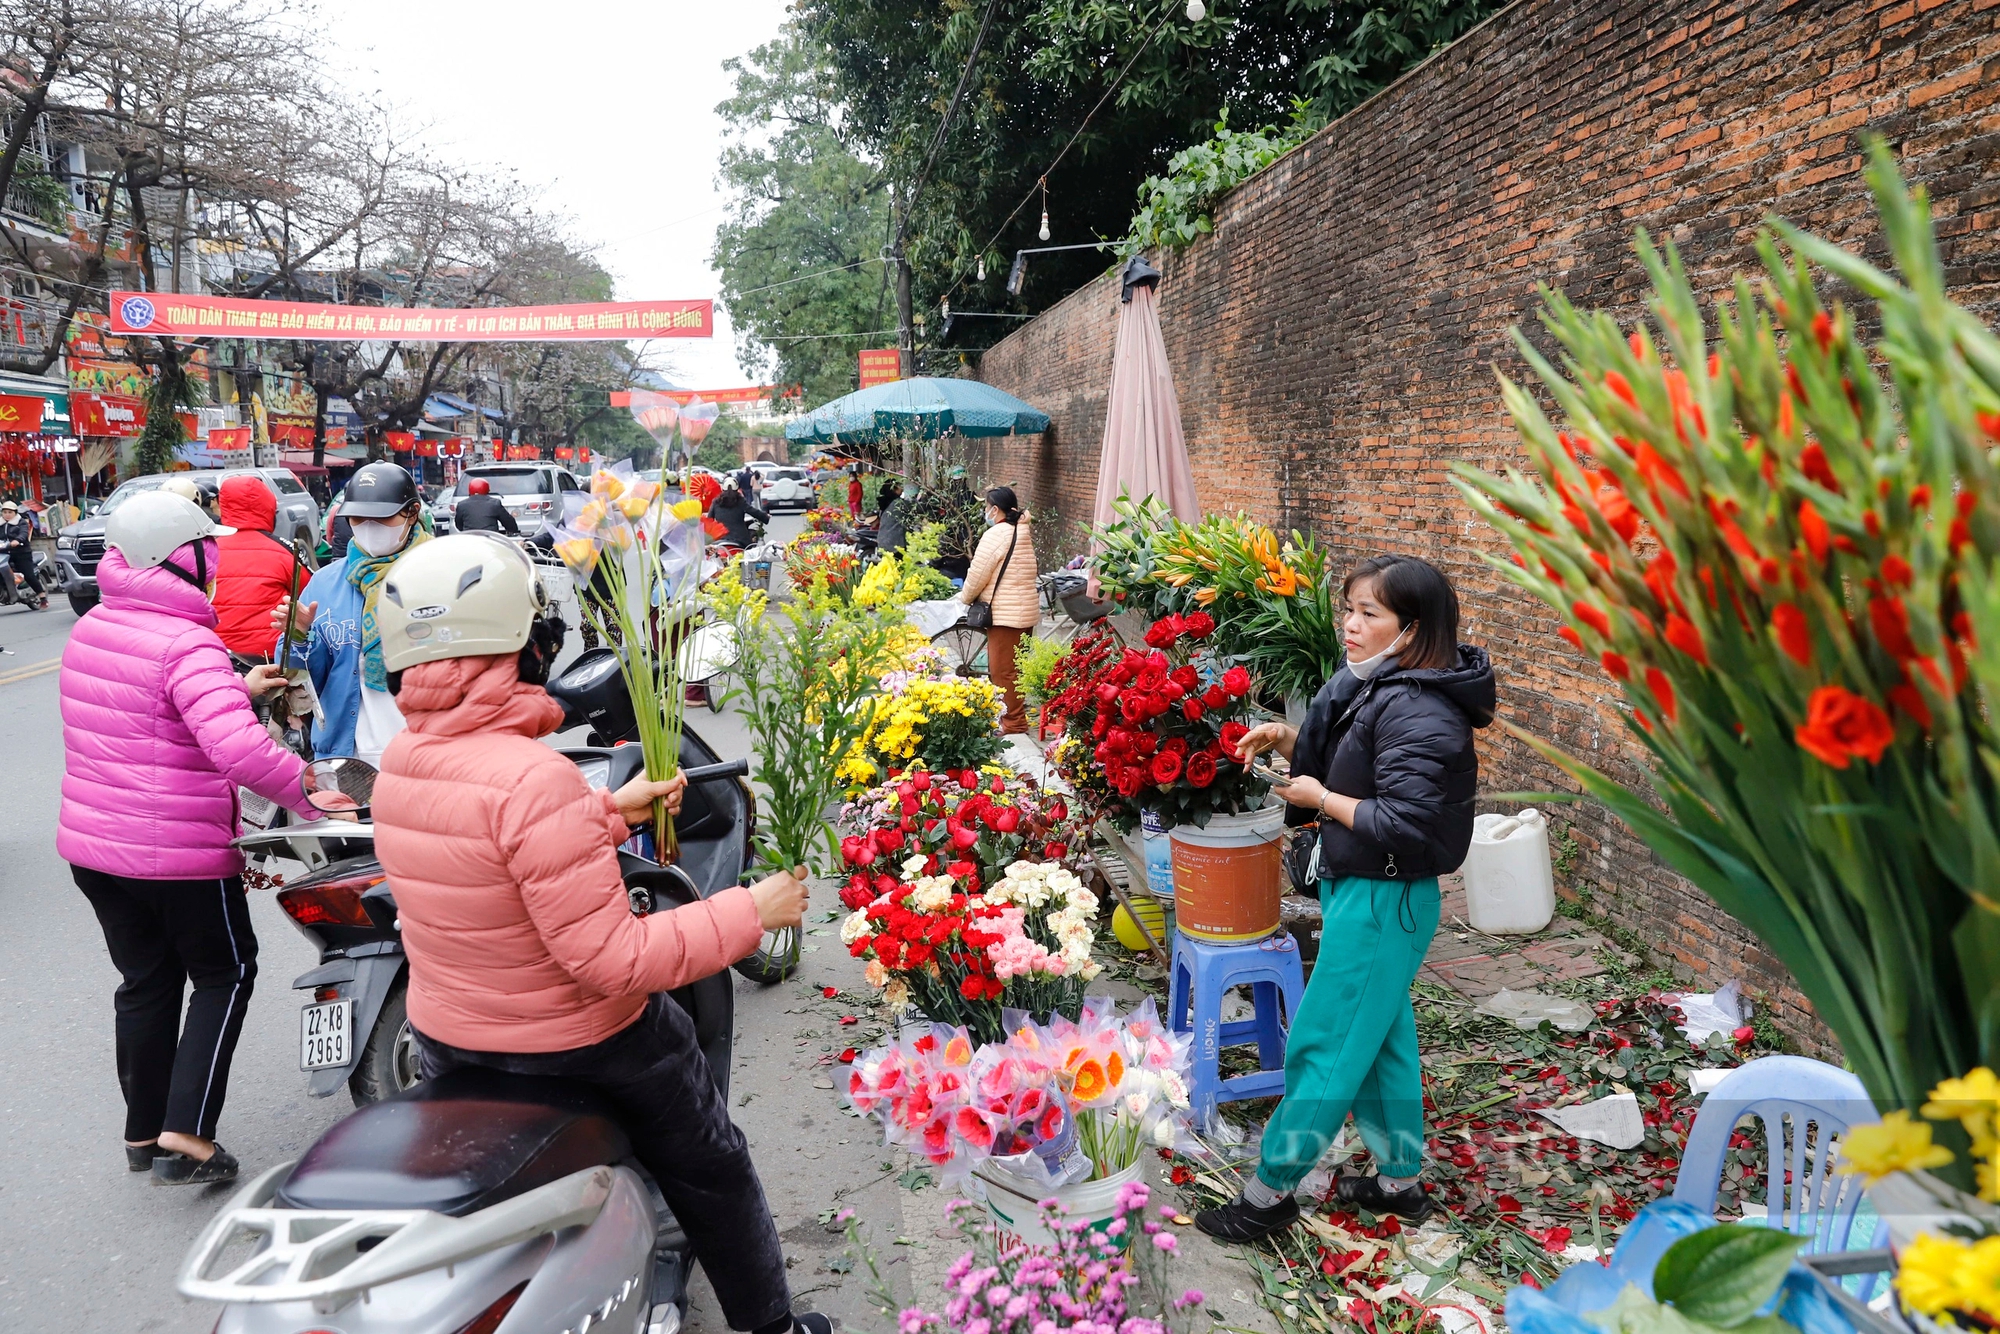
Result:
x=1229 y=875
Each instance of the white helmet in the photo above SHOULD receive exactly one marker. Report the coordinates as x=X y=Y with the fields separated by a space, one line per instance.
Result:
x=151 y=526
x=467 y=595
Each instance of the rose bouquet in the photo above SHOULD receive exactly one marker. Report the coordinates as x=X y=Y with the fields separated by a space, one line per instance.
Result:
x=991 y=819
x=927 y=718
x=962 y=957
x=1071 y=1099
x=1161 y=725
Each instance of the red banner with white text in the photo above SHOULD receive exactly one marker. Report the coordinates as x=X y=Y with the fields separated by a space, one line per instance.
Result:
x=175 y=314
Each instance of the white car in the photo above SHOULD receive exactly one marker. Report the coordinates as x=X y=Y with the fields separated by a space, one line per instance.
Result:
x=786 y=488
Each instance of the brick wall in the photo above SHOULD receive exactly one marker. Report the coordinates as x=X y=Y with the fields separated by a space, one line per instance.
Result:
x=1334 y=340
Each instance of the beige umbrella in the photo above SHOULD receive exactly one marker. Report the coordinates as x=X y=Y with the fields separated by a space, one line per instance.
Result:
x=1145 y=453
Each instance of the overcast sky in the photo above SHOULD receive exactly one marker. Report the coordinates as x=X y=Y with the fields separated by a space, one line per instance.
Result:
x=606 y=105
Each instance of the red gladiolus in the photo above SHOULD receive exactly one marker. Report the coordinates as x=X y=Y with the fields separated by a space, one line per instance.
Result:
x=1200 y=769
x=1822 y=327
x=1890 y=620
x=1617 y=511
x=1236 y=681
x=1622 y=387
x=1616 y=664
x=1682 y=635
x=1813 y=528
x=1592 y=617
x=1657 y=470
x=1574 y=639
x=1840 y=725
x=1896 y=572
x=1166 y=767
x=1871 y=523
x=1794 y=635
x=1909 y=701
x=1663 y=693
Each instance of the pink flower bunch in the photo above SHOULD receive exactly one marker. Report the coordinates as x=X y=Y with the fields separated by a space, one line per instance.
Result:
x=1082 y=1285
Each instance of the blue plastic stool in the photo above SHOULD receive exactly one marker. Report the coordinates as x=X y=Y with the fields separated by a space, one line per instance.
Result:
x=1203 y=973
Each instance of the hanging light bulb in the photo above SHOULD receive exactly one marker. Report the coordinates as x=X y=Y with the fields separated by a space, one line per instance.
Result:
x=1045 y=222
x=1196 y=11
x=982 y=269
x=944 y=309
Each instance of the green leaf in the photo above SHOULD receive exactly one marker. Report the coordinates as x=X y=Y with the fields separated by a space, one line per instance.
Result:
x=1722 y=1275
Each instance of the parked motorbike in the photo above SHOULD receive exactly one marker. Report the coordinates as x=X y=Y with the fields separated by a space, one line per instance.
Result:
x=354 y=1027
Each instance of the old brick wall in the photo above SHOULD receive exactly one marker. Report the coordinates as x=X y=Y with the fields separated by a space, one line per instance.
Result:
x=1334 y=342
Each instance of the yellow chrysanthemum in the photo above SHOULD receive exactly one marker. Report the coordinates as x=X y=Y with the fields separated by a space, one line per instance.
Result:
x=1972 y=1102
x=1894 y=1144
x=1928 y=1274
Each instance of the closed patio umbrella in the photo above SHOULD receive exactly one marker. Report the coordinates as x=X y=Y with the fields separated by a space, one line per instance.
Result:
x=1144 y=453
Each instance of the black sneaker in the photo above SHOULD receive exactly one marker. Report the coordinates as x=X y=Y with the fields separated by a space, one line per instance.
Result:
x=1411 y=1204
x=177 y=1169
x=1240 y=1220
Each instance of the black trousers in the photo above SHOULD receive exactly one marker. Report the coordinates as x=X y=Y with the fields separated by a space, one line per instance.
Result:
x=164 y=934
x=658 y=1082
x=23 y=559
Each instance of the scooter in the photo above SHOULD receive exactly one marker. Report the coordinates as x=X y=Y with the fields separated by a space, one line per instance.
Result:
x=14 y=585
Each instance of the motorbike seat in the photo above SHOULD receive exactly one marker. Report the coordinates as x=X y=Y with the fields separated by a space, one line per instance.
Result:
x=456 y=1144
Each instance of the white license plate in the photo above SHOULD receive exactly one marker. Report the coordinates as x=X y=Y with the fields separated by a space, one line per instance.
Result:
x=326 y=1035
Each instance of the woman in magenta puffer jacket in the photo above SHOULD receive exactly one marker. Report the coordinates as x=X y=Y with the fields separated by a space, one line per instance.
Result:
x=158 y=733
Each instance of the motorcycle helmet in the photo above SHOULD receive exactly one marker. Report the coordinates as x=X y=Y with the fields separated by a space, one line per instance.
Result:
x=468 y=595
x=378 y=491
x=152 y=525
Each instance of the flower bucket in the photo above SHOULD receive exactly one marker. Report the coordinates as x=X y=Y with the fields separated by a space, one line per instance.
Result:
x=1013 y=1201
x=1159 y=856
x=1229 y=876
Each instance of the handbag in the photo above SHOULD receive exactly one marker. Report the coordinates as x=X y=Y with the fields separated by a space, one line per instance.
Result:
x=980 y=614
x=1302 y=860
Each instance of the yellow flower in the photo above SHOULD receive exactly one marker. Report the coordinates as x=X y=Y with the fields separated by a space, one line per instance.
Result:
x=1972 y=1102
x=1928 y=1275
x=1895 y=1144
x=592 y=516
x=605 y=487
x=580 y=554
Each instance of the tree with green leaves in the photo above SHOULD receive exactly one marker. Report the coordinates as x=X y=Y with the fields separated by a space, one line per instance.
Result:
x=801 y=252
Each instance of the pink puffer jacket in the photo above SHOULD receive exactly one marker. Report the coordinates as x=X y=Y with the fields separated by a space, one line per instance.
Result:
x=503 y=862
x=158 y=733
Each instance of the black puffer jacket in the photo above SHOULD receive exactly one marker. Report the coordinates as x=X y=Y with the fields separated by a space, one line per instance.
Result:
x=1402 y=743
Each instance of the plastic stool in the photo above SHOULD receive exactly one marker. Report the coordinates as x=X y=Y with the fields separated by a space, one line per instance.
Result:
x=1203 y=973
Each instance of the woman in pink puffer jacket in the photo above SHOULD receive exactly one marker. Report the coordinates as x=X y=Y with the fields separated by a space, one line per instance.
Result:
x=158 y=733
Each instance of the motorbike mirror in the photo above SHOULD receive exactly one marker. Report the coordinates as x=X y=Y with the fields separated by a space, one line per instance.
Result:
x=342 y=783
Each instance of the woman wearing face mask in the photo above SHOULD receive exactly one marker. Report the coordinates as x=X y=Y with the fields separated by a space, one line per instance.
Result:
x=1002 y=575
x=158 y=734
x=342 y=647
x=1386 y=765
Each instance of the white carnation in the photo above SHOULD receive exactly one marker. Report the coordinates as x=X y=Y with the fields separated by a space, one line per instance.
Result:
x=855 y=927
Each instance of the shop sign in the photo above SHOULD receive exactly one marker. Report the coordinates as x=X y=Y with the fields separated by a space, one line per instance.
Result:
x=880 y=365
x=106 y=415
x=194 y=316
x=336 y=435
x=21 y=415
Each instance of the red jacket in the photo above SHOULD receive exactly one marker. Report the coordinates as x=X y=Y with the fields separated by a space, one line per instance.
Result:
x=256 y=568
x=505 y=869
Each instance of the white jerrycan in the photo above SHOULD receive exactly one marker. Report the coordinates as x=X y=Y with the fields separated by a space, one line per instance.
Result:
x=1510 y=886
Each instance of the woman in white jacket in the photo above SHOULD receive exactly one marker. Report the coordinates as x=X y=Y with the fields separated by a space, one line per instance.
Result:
x=1003 y=575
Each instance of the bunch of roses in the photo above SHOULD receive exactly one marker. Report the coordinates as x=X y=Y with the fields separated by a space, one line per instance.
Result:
x=1161 y=725
x=961 y=957
x=987 y=819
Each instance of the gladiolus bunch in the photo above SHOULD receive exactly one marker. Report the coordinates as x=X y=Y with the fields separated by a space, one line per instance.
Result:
x=1785 y=565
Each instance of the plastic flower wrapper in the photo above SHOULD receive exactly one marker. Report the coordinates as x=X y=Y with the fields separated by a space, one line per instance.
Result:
x=580 y=551
x=607 y=486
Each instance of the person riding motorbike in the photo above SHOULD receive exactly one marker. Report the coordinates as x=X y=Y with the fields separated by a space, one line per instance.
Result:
x=342 y=644
x=733 y=510
x=524 y=953
x=481 y=511
x=256 y=569
x=158 y=734
x=17 y=540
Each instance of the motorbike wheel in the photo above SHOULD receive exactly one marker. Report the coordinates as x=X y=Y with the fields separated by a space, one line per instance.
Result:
x=776 y=959
x=388 y=1063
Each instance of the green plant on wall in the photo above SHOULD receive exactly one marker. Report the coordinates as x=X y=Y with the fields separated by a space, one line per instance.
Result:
x=42 y=195
x=1174 y=208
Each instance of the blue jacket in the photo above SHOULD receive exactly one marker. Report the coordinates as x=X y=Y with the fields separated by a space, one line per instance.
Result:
x=333 y=657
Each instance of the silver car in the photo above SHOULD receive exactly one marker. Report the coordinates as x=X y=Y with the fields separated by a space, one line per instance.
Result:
x=81 y=545
x=532 y=493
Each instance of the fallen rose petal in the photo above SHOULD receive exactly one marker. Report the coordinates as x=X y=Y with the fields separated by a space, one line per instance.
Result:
x=829 y=992
x=847 y=1056
x=849 y=1019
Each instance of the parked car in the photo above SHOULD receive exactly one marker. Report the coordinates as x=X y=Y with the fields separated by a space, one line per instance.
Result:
x=532 y=493
x=786 y=487
x=81 y=545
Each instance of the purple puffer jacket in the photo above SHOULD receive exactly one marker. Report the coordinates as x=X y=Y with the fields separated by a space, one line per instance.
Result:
x=158 y=733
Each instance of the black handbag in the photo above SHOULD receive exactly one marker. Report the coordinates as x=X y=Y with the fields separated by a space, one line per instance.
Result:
x=980 y=614
x=1302 y=860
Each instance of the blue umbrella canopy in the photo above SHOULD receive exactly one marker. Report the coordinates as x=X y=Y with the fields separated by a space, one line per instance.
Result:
x=922 y=408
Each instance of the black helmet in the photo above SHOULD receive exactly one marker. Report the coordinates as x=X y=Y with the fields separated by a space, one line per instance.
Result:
x=378 y=491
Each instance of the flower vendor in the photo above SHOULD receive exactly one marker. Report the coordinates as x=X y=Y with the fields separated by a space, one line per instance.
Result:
x=1386 y=765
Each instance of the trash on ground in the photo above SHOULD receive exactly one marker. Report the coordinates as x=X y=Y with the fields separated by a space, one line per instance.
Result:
x=1527 y=1009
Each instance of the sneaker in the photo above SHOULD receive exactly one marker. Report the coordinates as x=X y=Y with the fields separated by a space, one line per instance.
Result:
x=1411 y=1204
x=1240 y=1220
x=177 y=1169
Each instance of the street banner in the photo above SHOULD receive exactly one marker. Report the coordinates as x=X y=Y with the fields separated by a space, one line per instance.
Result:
x=756 y=393
x=880 y=365
x=180 y=315
x=336 y=435
x=20 y=414
x=106 y=415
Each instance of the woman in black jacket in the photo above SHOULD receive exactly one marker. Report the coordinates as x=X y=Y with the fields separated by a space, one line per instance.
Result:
x=1385 y=763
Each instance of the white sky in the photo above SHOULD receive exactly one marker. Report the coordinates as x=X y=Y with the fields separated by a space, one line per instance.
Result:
x=607 y=105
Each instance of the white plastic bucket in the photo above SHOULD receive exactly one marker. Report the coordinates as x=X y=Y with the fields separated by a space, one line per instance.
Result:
x=1159 y=850
x=1510 y=886
x=1013 y=1201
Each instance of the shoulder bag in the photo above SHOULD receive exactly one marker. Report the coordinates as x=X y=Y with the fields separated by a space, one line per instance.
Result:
x=980 y=614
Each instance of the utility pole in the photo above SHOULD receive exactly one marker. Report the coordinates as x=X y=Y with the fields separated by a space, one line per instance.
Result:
x=906 y=343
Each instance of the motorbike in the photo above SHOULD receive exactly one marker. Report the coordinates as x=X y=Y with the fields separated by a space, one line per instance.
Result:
x=14 y=585
x=354 y=1025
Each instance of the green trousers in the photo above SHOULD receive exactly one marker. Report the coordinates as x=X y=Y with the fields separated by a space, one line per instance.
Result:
x=1353 y=1044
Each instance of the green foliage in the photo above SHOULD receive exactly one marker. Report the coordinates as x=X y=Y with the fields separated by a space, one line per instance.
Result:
x=1174 y=208
x=44 y=195
x=803 y=200
x=172 y=392
x=1034 y=660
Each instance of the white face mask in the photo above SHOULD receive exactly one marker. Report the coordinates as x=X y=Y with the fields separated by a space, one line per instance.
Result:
x=1362 y=669
x=378 y=538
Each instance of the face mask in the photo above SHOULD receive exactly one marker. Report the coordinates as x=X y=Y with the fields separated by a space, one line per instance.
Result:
x=377 y=538
x=1364 y=668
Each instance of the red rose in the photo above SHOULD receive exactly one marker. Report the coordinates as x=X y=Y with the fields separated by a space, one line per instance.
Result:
x=1163 y=634
x=1129 y=781
x=1177 y=744
x=1198 y=624
x=1059 y=812
x=1191 y=710
x=969 y=779
x=964 y=838
x=1144 y=744
x=1214 y=697
x=1200 y=769
x=853 y=896
x=1166 y=767
x=863 y=856
x=921 y=781
x=889 y=840
x=1232 y=732
x=1186 y=678
x=1055 y=852
x=1236 y=681
x=850 y=847
x=1007 y=820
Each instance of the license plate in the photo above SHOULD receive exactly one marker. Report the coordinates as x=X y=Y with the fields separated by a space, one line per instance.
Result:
x=258 y=812
x=326 y=1035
